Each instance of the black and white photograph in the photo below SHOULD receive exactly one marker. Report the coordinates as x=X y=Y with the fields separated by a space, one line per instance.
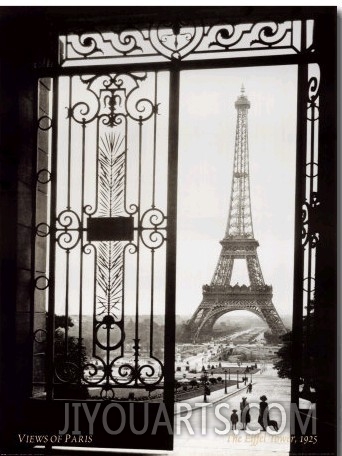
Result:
x=168 y=230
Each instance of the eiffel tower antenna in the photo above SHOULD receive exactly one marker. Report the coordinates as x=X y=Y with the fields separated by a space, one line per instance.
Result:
x=220 y=296
x=240 y=214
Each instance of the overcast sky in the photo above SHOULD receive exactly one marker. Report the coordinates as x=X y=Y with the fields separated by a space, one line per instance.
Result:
x=206 y=151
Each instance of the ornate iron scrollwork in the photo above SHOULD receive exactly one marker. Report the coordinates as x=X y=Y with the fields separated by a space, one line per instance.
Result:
x=68 y=229
x=152 y=229
x=180 y=41
x=66 y=371
x=309 y=210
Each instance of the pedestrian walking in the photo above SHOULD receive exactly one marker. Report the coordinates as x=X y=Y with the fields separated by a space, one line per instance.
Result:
x=245 y=415
x=263 y=413
x=234 y=418
x=249 y=388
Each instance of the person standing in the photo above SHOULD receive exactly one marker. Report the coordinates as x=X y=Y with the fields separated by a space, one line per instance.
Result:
x=234 y=419
x=245 y=415
x=263 y=412
x=249 y=388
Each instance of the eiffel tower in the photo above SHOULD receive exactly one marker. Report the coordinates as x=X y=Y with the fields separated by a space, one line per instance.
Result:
x=220 y=296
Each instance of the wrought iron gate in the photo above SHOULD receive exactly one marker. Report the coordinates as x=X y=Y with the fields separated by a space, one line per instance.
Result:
x=111 y=226
x=103 y=230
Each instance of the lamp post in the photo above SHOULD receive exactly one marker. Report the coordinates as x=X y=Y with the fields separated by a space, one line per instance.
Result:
x=225 y=381
x=237 y=379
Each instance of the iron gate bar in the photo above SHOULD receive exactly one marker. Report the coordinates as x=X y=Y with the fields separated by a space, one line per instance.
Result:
x=69 y=142
x=298 y=268
x=33 y=241
x=80 y=311
x=136 y=339
x=171 y=247
x=154 y=138
x=310 y=245
x=68 y=208
x=53 y=242
x=327 y=251
x=67 y=301
x=297 y=318
x=268 y=60
x=153 y=206
x=53 y=224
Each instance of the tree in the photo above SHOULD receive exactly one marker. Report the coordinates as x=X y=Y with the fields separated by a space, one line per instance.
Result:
x=193 y=383
x=182 y=333
x=69 y=358
x=308 y=374
x=60 y=321
x=74 y=351
x=242 y=357
x=284 y=364
x=272 y=339
x=177 y=385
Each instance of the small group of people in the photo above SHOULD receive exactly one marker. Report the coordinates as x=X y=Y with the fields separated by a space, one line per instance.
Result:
x=263 y=418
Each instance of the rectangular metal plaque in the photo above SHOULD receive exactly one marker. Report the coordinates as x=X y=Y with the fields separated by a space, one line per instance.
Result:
x=110 y=229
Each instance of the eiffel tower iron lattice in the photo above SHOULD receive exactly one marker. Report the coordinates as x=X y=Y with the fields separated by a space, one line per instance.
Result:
x=220 y=296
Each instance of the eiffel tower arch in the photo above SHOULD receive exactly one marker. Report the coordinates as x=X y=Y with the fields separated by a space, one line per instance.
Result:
x=220 y=297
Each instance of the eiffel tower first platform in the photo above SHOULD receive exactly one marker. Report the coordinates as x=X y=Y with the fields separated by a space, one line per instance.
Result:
x=220 y=296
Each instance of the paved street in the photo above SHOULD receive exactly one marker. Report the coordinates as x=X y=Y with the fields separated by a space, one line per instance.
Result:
x=241 y=443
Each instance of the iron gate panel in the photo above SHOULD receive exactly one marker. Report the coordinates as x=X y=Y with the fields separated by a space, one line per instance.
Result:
x=111 y=166
x=104 y=281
